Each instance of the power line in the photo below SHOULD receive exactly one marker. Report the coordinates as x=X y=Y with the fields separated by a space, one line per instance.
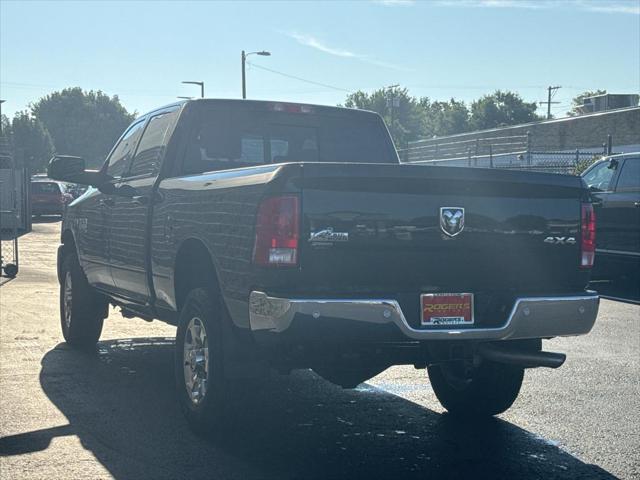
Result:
x=474 y=87
x=299 y=78
x=129 y=92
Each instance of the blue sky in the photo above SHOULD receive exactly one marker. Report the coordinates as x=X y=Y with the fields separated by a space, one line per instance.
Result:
x=142 y=51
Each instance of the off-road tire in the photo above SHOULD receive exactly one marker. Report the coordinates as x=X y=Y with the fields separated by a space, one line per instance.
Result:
x=489 y=389
x=81 y=327
x=213 y=413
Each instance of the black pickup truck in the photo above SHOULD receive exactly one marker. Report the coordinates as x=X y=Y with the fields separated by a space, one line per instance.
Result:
x=614 y=183
x=284 y=236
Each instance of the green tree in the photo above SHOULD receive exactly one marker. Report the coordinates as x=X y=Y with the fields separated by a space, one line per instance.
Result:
x=401 y=112
x=578 y=101
x=81 y=123
x=444 y=118
x=31 y=141
x=501 y=109
x=5 y=126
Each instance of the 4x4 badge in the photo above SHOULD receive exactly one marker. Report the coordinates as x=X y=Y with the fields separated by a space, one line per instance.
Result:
x=451 y=220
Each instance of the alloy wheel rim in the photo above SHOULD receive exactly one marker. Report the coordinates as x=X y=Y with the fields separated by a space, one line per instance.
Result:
x=68 y=299
x=196 y=360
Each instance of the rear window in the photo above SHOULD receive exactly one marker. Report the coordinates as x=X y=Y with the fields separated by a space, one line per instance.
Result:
x=227 y=137
x=45 y=187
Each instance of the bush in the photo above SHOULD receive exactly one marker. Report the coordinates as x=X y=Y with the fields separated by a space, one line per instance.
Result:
x=582 y=165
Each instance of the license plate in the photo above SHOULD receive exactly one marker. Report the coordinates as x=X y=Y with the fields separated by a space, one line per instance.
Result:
x=446 y=309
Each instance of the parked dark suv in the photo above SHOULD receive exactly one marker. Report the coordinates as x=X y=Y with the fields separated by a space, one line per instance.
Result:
x=615 y=185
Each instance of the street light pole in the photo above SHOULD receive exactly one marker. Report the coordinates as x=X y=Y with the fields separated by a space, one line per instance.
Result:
x=243 y=59
x=197 y=83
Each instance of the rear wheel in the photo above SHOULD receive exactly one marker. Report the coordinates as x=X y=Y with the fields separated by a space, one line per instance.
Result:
x=82 y=309
x=207 y=398
x=485 y=390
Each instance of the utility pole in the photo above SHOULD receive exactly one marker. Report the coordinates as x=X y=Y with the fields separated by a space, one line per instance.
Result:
x=391 y=101
x=550 y=93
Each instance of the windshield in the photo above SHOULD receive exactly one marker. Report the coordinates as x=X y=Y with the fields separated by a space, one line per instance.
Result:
x=230 y=137
x=599 y=177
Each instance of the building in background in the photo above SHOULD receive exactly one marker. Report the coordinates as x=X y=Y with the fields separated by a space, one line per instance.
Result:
x=607 y=101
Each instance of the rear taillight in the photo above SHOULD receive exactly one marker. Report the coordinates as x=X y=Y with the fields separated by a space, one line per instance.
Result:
x=588 y=243
x=277 y=230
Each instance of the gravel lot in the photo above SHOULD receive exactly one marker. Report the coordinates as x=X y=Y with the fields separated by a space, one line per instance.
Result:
x=113 y=414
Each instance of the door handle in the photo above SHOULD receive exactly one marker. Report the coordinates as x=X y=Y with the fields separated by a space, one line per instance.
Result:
x=140 y=200
x=636 y=204
x=146 y=199
x=107 y=202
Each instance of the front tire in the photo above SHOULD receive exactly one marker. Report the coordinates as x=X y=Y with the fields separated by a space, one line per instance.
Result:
x=207 y=398
x=486 y=390
x=82 y=309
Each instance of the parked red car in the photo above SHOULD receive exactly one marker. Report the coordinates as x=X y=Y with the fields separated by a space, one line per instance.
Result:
x=49 y=198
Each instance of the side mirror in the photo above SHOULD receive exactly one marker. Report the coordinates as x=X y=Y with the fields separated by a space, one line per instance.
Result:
x=66 y=168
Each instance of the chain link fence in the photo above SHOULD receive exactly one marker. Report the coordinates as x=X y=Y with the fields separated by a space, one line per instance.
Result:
x=510 y=152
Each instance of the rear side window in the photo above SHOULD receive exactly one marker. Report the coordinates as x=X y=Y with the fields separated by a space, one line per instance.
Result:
x=122 y=153
x=152 y=144
x=629 y=180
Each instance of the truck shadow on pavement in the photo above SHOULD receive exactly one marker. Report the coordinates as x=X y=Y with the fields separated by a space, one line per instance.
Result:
x=121 y=404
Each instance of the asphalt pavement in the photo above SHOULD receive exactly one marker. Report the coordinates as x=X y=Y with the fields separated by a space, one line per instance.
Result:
x=113 y=414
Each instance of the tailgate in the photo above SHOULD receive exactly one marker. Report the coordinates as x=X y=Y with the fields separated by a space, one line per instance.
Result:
x=377 y=229
x=45 y=198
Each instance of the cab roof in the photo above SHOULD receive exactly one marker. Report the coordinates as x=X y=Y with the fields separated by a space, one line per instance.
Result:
x=268 y=103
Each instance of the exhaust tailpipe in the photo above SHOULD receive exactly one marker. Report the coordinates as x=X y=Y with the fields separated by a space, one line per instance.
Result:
x=521 y=358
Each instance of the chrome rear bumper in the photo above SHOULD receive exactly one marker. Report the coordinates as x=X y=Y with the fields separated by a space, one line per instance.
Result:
x=530 y=317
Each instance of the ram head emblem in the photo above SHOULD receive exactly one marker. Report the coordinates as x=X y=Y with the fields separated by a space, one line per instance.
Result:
x=452 y=220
